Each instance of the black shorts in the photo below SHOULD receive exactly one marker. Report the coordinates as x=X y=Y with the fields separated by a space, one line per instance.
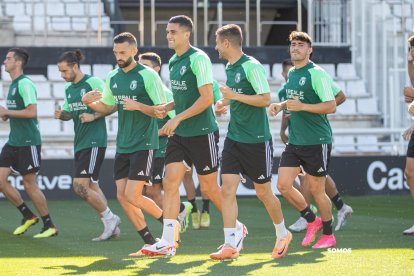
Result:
x=158 y=168
x=410 y=148
x=88 y=163
x=134 y=166
x=200 y=151
x=313 y=159
x=22 y=160
x=253 y=160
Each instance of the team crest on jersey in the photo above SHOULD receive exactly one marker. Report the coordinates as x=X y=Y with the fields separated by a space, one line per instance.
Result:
x=13 y=92
x=302 y=81
x=83 y=92
x=182 y=70
x=133 y=85
x=237 y=78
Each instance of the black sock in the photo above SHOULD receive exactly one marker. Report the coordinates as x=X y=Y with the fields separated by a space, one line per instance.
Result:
x=181 y=207
x=193 y=202
x=206 y=205
x=308 y=214
x=337 y=201
x=146 y=236
x=161 y=219
x=27 y=214
x=47 y=221
x=327 y=227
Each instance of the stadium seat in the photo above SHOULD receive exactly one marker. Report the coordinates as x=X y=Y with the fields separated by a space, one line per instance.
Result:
x=16 y=9
x=267 y=69
x=329 y=68
x=86 y=69
x=22 y=24
x=101 y=70
x=46 y=108
x=346 y=71
x=43 y=90
x=50 y=127
x=55 y=8
x=58 y=89
x=165 y=73
x=37 y=77
x=105 y=23
x=367 y=106
x=75 y=9
x=356 y=89
x=347 y=108
x=342 y=85
x=277 y=72
x=219 y=72
x=4 y=75
x=53 y=72
x=61 y=23
x=68 y=128
x=53 y=153
x=113 y=126
x=344 y=144
x=367 y=143
x=80 y=24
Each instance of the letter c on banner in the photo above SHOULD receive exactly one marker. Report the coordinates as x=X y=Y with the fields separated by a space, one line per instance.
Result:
x=376 y=186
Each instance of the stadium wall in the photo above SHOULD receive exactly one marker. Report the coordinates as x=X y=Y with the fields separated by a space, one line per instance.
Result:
x=357 y=176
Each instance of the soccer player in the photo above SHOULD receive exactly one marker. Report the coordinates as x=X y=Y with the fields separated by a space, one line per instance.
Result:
x=193 y=132
x=248 y=145
x=344 y=210
x=90 y=139
x=134 y=89
x=310 y=99
x=408 y=97
x=21 y=153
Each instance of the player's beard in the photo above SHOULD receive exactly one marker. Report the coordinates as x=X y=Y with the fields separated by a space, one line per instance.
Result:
x=126 y=63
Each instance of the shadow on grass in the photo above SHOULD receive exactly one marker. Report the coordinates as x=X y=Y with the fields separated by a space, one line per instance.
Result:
x=105 y=265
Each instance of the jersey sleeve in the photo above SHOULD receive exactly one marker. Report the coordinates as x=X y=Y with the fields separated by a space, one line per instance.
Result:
x=202 y=68
x=335 y=88
x=169 y=98
x=216 y=91
x=107 y=96
x=96 y=83
x=154 y=86
x=256 y=75
x=27 y=91
x=322 y=84
x=281 y=93
x=65 y=106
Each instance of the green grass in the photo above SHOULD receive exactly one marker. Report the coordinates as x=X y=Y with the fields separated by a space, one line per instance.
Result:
x=373 y=234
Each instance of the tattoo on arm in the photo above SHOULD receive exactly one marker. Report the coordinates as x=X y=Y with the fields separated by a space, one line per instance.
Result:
x=65 y=116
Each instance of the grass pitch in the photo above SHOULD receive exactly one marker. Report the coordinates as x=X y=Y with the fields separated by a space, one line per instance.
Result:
x=370 y=244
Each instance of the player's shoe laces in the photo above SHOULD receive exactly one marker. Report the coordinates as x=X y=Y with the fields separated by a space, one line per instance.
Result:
x=325 y=241
x=343 y=214
x=196 y=220
x=311 y=230
x=299 y=225
x=205 y=219
x=409 y=231
x=47 y=232
x=281 y=246
x=110 y=228
x=26 y=223
x=160 y=248
x=183 y=217
x=226 y=252
x=242 y=229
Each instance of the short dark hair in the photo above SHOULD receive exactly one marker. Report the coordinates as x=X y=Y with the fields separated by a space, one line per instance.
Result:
x=20 y=54
x=151 y=56
x=232 y=33
x=71 y=57
x=301 y=36
x=411 y=40
x=183 y=21
x=287 y=62
x=126 y=37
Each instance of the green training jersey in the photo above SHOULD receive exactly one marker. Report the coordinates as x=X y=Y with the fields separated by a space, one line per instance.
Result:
x=312 y=85
x=136 y=131
x=188 y=72
x=23 y=132
x=248 y=124
x=281 y=93
x=87 y=135
x=216 y=91
x=160 y=152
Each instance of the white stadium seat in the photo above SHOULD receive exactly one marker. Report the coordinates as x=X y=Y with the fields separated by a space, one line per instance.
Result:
x=102 y=70
x=367 y=106
x=86 y=69
x=346 y=71
x=219 y=72
x=277 y=72
x=50 y=127
x=356 y=88
x=267 y=69
x=46 y=108
x=37 y=77
x=344 y=143
x=347 y=108
x=58 y=90
x=43 y=90
x=165 y=73
x=329 y=68
x=367 y=143
x=4 y=75
x=53 y=72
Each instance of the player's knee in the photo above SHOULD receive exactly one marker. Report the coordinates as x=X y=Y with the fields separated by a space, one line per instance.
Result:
x=134 y=199
x=205 y=190
x=262 y=195
x=282 y=187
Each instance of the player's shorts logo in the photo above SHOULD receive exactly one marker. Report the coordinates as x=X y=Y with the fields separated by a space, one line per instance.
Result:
x=133 y=85
x=302 y=81
x=237 y=78
x=182 y=70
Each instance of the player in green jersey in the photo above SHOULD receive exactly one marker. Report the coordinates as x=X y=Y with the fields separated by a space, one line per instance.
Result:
x=344 y=210
x=134 y=89
x=21 y=153
x=310 y=98
x=90 y=139
x=248 y=144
